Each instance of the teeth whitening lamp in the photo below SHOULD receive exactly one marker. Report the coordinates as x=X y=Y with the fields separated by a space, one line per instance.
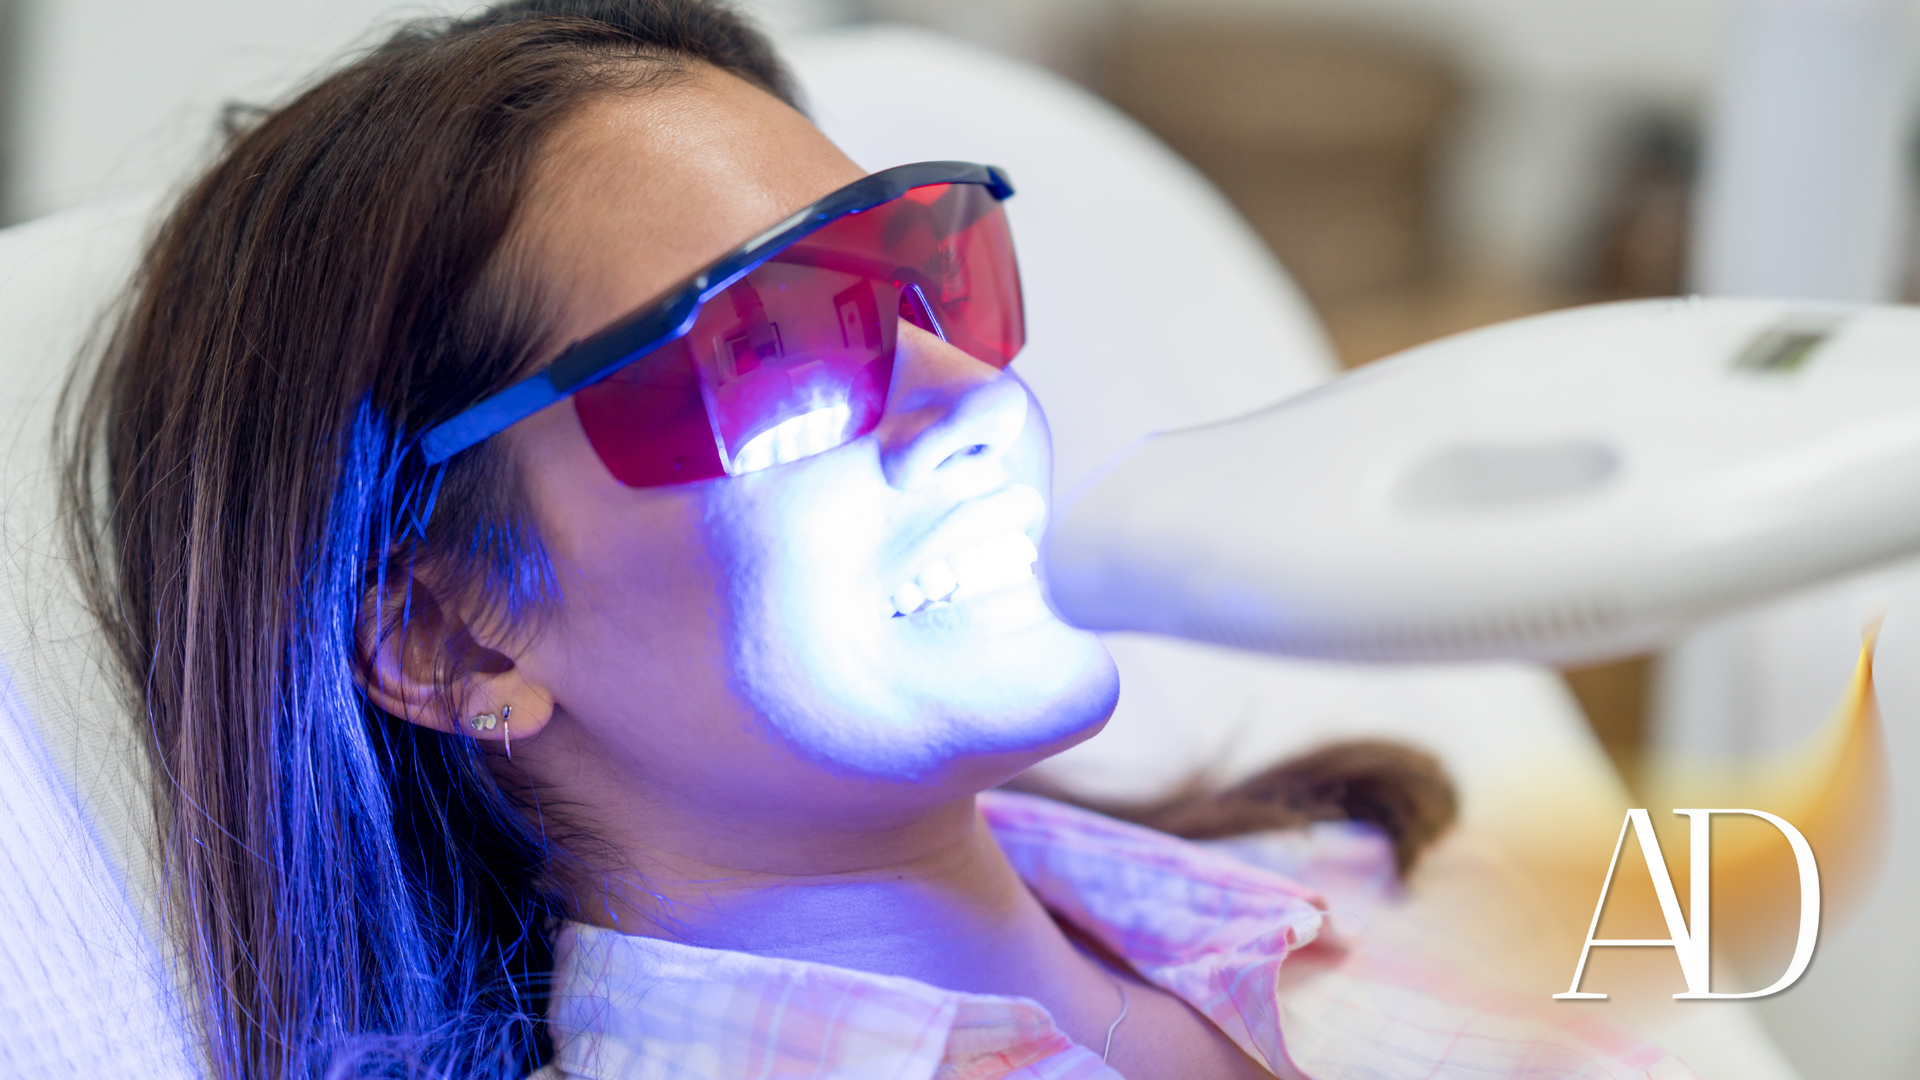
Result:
x=1564 y=488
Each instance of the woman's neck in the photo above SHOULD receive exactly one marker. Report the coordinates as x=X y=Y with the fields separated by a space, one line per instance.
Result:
x=931 y=898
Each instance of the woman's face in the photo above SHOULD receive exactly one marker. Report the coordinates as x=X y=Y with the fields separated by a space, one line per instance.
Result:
x=738 y=640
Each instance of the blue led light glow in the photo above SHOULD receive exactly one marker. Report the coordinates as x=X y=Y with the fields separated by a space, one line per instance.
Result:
x=802 y=436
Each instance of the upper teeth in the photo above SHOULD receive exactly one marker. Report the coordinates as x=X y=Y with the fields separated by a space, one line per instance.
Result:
x=991 y=564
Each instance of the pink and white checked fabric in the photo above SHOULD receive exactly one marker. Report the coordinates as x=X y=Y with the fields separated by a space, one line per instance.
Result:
x=1249 y=949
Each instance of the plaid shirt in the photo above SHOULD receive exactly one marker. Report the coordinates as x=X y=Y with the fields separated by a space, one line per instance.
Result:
x=1249 y=949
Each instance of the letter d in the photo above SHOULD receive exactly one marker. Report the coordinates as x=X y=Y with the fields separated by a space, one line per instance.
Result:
x=1809 y=896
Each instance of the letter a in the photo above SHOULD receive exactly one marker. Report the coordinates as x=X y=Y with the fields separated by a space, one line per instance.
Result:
x=1693 y=948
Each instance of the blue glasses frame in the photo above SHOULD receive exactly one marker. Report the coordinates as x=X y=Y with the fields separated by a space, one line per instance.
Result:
x=672 y=315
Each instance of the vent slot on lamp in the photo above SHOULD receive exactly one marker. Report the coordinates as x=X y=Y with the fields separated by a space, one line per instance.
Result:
x=1489 y=634
x=1786 y=346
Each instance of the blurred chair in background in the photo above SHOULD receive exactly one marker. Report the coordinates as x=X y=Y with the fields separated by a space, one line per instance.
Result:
x=1641 y=238
x=1326 y=139
x=1332 y=137
x=83 y=990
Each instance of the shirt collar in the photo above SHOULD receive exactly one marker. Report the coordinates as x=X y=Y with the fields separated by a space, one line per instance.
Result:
x=1196 y=923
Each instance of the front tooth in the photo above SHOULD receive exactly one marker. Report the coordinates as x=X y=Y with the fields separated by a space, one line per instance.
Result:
x=937 y=580
x=908 y=598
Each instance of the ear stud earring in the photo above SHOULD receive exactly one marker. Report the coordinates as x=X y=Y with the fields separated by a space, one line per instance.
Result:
x=487 y=721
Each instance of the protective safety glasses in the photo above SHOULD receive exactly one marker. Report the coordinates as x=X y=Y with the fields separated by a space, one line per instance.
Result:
x=783 y=348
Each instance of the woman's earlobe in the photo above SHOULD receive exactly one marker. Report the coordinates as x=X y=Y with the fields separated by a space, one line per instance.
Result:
x=506 y=709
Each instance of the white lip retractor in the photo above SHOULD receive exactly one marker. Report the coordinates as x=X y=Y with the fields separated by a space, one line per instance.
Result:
x=1561 y=488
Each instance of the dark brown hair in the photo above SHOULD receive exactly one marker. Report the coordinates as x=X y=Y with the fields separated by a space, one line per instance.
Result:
x=1402 y=791
x=354 y=893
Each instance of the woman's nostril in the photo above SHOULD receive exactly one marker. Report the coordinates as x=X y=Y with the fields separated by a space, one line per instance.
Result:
x=976 y=450
x=957 y=414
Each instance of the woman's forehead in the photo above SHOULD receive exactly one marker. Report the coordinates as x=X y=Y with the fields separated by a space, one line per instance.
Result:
x=638 y=190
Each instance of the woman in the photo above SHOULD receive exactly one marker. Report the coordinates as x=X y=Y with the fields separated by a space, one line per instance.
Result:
x=515 y=650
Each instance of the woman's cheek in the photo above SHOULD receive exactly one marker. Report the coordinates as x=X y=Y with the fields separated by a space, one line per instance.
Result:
x=796 y=549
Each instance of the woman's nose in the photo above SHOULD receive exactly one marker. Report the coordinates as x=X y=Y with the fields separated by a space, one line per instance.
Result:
x=945 y=407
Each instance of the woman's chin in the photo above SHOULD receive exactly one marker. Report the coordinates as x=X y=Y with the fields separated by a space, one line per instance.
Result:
x=983 y=716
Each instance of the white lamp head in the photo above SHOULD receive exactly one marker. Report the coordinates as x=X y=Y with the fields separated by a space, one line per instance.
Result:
x=1562 y=488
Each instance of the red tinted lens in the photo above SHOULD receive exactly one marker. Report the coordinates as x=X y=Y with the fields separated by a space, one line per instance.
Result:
x=949 y=246
x=967 y=272
x=795 y=358
x=648 y=421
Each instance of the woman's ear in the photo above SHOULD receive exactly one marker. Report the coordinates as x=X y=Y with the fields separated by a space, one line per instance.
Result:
x=422 y=663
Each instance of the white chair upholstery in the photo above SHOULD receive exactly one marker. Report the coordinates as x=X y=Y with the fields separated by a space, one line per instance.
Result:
x=1151 y=306
x=83 y=991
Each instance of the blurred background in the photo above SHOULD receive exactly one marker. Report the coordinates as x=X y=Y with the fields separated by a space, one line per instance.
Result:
x=1420 y=166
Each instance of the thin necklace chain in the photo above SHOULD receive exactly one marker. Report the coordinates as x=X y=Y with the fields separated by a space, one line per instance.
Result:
x=1115 y=1026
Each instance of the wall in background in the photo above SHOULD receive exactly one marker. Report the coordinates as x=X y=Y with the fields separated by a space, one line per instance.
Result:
x=121 y=96
x=10 y=50
x=118 y=97
x=1555 y=86
x=1564 y=93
